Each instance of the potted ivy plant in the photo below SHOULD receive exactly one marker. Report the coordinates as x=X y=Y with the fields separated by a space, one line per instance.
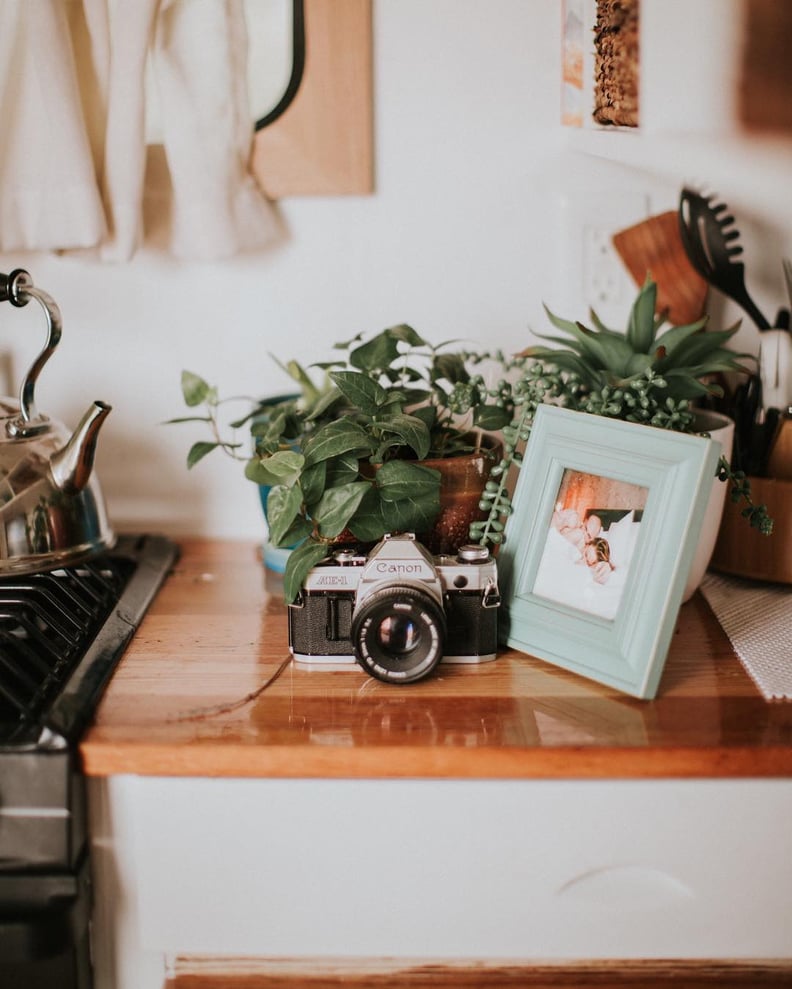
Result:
x=398 y=435
x=639 y=375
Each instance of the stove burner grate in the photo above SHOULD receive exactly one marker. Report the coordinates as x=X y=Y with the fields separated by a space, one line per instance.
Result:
x=62 y=633
x=46 y=622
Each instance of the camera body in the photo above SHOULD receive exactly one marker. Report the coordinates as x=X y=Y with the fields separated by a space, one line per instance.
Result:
x=397 y=611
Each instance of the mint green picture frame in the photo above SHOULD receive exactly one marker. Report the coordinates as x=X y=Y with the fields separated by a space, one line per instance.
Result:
x=674 y=473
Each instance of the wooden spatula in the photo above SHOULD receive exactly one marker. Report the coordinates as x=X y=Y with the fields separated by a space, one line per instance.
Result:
x=655 y=246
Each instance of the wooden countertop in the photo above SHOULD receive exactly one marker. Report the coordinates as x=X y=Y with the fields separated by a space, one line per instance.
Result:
x=192 y=697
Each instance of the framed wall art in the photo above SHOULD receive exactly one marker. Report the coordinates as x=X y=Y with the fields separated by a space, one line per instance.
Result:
x=597 y=550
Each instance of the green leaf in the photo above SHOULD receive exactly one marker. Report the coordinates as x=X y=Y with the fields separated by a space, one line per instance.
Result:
x=638 y=363
x=283 y=507
x=361 y=391
x=613 y=353
x=682 y=386
x=313 y=482
x=600 y=350
x=173 y=422
x=675 y=335
x=698 y=347
x=330 y=397
x=410 y=514
x=344 y=345
x=410 y=430
x=401 y=480
x=406 y=334
x=559 y=341
x=198 y=451
x=342 y=470
x=451 y=367
x=426 y=413
x=415 y=399
x=336 y=438
x=298 y=373
x=640 y=328
x=195 y=390
x=491 y=417
x=566 y=325
x=300 y=529
x=367 y=524
x=301 y=561
x=684 y=383
x=564 y=360
x=282 y=467
x=337 y=506
x=381 y=351
x=601 y=327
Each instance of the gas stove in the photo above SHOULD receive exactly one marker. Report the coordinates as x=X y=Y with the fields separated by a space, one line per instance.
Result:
x=62 y=634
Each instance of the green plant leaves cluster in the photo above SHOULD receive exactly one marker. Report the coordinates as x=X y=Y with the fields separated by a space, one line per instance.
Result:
x=343 y=482
x=342 y=456
x=537 y=385
x=680 y=357
x=638 y=376
x=433 y=382
x=196 y=391
x=756 y=515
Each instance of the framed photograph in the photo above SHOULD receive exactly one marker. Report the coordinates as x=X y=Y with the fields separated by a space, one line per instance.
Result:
x=598 y=547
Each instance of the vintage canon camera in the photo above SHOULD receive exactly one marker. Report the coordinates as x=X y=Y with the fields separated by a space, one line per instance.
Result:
x=397 y=611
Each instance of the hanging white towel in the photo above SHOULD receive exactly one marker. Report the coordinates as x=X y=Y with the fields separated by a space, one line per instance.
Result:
x=100 y=49
x=200 y=69
x=48 y=192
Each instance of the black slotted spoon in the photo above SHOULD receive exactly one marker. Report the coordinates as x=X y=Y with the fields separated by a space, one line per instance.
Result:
x=711 y=242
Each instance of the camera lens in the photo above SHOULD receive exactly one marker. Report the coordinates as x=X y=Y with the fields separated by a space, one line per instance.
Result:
x=398 y=634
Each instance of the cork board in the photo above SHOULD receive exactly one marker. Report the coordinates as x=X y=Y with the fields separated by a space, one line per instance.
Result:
x=765 y=94
x=323 y=143
x=617 y=63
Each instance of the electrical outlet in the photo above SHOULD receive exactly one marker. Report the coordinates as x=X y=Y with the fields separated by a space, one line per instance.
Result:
x=590 y=271
x=603 y=271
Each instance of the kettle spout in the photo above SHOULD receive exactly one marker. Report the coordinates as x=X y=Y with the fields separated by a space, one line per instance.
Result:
x=72 y=465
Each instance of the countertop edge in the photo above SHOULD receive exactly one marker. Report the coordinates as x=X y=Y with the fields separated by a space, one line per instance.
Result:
x=402 y=762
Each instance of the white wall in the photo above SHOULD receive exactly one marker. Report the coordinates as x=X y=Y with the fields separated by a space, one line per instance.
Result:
x=461 y=239
x=465 y=110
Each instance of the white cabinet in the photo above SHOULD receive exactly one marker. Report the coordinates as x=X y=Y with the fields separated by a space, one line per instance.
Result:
x=441 y=869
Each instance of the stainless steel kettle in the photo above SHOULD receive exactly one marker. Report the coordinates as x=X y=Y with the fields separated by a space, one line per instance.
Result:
x=52 y=513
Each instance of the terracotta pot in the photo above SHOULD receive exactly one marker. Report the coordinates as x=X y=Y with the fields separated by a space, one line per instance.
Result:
x=462 y=481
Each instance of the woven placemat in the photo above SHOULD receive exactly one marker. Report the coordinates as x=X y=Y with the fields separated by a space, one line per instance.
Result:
x=758 y=621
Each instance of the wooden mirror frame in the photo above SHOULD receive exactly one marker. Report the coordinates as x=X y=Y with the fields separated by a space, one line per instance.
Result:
x=322 y=144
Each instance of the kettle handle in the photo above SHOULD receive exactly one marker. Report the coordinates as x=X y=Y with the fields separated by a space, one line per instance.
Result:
x=18 y=289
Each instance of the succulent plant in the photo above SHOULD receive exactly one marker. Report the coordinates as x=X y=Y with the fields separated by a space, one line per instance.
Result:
x=677 y=364
x=639 y=375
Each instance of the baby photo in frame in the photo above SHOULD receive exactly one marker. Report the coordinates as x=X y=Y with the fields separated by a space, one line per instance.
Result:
x=588 y=548
x=598 y=547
